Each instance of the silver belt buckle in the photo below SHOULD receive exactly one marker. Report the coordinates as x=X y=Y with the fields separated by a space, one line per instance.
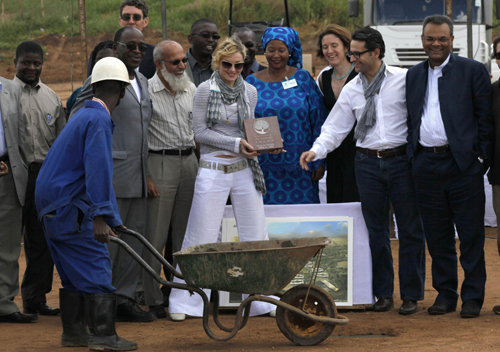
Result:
x=378 y=154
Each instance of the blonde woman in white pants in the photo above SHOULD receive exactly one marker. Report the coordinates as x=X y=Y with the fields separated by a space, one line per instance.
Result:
x=228 y=167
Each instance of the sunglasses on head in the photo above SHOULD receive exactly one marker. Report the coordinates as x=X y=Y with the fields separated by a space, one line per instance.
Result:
x=177 y=62
x=208 y=35
x=133 y=46
x=228 y=65
x=135 y=16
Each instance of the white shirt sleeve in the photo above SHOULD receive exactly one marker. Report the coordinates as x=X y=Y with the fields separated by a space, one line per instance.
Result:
x=337 y=126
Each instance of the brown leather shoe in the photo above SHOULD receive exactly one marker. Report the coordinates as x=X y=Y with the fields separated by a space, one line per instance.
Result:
x=383 y=305
x=408 y=307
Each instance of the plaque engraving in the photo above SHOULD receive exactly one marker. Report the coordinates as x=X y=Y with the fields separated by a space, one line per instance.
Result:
x=263 y=134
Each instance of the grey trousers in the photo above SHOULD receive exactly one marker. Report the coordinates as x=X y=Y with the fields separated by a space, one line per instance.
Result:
x=174 y=177
x=125 y=269
x=11 y=216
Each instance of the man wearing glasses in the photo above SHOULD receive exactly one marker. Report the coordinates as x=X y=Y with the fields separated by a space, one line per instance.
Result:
x=449 y=144
x=247 y=37
x=134 y=13
x=375 y=101
x=130 y=152
x=203 y=40
x=172 y=162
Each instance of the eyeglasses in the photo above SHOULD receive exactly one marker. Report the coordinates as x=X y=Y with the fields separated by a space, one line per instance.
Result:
x=356 y=54
x=442 y=39
x=133 y=46
x=207 y=36
x=135 y=16
x=177 y=62
x=497 y=56
x=228 y=65
x=250 y=45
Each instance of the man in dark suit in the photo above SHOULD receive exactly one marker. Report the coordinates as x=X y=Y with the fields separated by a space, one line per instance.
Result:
x=130 y=153
x=134 y=13
x=449 y=144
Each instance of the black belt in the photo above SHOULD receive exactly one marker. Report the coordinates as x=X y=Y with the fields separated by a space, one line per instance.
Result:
x=437 y=150
x=173 y=151
x=35 y=167
x=386 y=153
x=4 y=157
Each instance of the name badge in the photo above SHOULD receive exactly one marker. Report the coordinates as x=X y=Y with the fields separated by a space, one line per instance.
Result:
x=49 y=118
x=289 y=84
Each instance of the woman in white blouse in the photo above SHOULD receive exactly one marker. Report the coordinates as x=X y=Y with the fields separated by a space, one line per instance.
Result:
x=228 y=167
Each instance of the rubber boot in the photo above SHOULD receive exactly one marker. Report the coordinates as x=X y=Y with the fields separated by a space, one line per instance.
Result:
x=100 y=309
x=75 y=332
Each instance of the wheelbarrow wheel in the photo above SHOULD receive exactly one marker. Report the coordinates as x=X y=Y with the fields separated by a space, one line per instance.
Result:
x=302 y=331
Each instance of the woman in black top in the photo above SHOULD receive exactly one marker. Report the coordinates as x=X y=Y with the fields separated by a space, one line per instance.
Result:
x=333 y=43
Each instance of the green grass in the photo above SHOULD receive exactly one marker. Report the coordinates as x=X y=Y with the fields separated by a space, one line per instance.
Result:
x=102 y=16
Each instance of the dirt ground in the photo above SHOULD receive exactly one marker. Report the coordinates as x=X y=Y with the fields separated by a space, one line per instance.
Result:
x=367 y=330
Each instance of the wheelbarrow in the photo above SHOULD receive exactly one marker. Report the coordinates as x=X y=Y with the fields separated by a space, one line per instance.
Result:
x=306 y=314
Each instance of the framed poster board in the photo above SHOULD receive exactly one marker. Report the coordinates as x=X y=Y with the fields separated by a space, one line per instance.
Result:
x=335 y=271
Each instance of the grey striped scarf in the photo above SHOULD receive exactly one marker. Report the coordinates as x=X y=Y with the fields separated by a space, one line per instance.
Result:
x=221 y=93
x=369 y=116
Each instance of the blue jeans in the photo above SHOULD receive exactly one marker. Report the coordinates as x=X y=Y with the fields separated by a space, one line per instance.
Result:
x=380 y=182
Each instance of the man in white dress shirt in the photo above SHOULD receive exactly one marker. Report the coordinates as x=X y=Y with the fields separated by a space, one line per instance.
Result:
x=172 y=163
x=375 y=99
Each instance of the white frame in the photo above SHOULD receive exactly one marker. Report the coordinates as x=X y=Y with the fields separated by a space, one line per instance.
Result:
x=229 y=233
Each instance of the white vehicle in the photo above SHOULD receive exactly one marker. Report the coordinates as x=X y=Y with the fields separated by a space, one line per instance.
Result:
x=400 y=23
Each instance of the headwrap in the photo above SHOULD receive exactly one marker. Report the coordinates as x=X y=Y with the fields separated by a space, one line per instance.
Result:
x=369 y=115
x=221 y=93
x=290 y=37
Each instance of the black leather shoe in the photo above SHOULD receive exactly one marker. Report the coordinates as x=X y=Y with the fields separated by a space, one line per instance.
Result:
x=18 y=317
x=440 y=308
x=159 y=311
x=408 y=307
x=131 y=312
x=383 y=305
x=496 y=309
x=41 y=308
x=470 y=309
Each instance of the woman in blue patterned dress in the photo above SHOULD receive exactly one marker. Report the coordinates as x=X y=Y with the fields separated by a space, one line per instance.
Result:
x=289 y=92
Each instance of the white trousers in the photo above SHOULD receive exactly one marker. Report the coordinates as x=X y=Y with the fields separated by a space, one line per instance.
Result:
x=211 y=191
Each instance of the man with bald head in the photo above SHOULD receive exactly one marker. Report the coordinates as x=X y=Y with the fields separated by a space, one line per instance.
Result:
x=172 y=163
x=247 y=37
x=130 y=151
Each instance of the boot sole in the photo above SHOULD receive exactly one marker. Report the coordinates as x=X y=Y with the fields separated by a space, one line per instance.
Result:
x=107 y=348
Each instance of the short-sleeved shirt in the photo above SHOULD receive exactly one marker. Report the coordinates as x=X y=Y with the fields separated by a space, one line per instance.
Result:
x=45 y=116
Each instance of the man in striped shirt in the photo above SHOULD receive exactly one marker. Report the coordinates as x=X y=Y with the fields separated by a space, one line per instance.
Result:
x=172 y=163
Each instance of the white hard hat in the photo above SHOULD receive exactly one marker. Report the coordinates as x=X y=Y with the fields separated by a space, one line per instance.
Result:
x=110 y=69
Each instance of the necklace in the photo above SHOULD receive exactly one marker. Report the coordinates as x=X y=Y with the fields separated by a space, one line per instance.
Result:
x=275 y=80
x=344 y=76
x=228 y=116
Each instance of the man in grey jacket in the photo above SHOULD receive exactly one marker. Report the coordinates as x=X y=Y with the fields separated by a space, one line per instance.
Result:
x=130 y=152
x=12 y=193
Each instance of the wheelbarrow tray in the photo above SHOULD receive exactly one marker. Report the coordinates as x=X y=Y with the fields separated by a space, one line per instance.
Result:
x=256 y=267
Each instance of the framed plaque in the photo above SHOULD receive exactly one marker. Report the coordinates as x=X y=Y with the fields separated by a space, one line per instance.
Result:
x=263 y=133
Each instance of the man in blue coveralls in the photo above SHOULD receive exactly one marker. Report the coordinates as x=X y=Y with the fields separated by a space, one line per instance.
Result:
x=77 y=208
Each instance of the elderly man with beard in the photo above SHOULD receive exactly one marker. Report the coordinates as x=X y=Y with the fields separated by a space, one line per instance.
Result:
x=172 y=163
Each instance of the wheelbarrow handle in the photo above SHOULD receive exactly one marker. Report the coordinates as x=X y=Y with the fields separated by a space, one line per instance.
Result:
x=151 y=249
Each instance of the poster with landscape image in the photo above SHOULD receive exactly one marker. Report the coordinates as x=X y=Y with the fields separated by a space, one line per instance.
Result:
x=335 y=268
